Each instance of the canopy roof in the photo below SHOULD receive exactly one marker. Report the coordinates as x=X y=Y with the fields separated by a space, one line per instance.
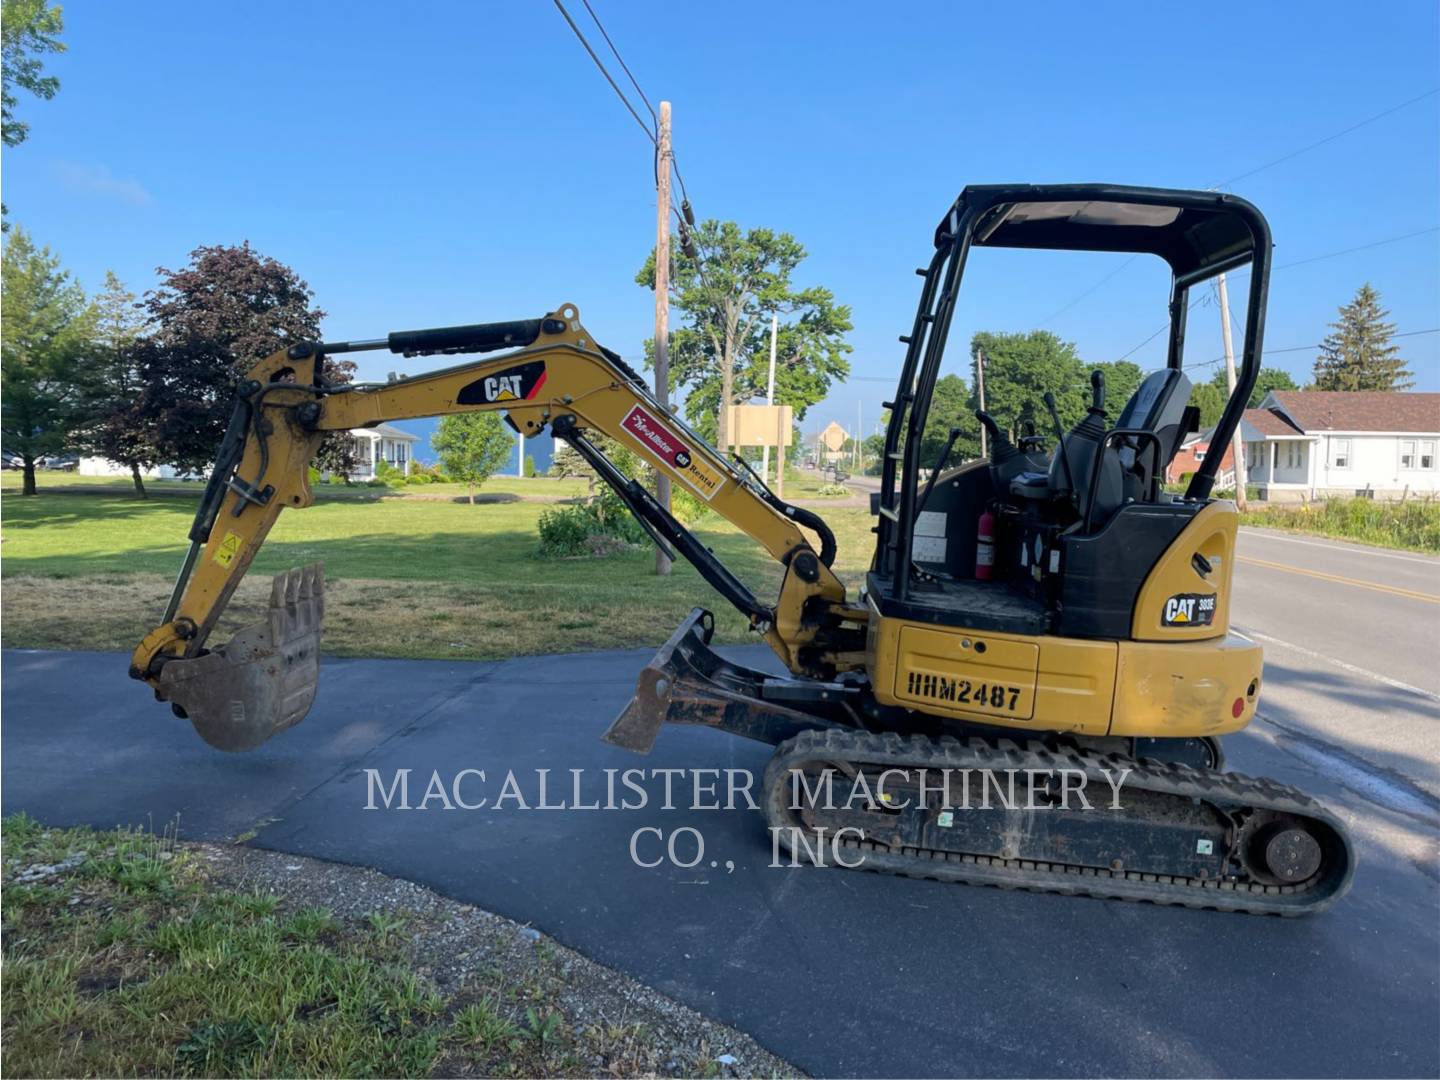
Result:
x=1198 y=233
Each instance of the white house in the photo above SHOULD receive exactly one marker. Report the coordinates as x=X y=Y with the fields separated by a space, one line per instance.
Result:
x=1309 y=443
x=380 y=443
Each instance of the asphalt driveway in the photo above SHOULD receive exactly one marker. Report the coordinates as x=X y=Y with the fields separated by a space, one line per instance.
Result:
x=843 y=973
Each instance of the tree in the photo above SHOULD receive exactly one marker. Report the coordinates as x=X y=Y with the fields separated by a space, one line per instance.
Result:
x=721 y=356
x=44 y=339
x=29 y=29
x=1359 y=353
x=1020 y=368
x=210 y=322
x=1210 y=400
x=1269 y=379
x=122 y=431
x=472 y=446
x=950 y=407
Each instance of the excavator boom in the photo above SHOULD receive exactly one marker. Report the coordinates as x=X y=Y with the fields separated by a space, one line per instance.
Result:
x=551 y=374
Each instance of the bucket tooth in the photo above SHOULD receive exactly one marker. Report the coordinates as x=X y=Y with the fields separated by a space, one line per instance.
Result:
x=264 y=680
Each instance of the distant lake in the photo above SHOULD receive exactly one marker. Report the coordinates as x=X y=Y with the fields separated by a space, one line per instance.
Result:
x=541 y=448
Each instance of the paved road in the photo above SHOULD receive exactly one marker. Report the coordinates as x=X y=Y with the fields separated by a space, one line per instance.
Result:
x=843 y=973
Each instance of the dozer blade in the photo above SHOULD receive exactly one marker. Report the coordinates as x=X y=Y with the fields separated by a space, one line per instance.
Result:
x=264 y=680
x=687 y=682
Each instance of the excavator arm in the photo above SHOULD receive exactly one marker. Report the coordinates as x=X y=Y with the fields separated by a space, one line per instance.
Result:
x=552 y=373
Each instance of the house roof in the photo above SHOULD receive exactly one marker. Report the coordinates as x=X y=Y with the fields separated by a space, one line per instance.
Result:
x=1357 y=410
x=1266 y=423
x=387 y=431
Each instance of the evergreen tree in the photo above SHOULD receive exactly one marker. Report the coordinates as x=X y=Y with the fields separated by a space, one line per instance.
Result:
x=1358 y=354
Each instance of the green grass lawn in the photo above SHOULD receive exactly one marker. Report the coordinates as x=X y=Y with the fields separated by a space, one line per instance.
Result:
x=528 y=487
x=406 y=577
x=128 y=954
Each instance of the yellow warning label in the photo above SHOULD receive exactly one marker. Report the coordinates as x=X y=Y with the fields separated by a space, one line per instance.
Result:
x=229 y=547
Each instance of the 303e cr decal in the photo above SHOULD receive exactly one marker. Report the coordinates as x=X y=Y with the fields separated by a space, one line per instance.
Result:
x=1189 y=609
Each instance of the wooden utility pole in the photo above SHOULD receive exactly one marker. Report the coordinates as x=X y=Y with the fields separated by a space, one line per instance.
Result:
x=770 y=400
x=980 y=393
x=662 y=301
x=1239 y=439
x=859 y=435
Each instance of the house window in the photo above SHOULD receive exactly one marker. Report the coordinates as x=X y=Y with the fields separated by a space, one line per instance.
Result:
x=1407 y=453
x=1427 y=454
x=1199 y=456
x=1293 y=455
x=1340 y=453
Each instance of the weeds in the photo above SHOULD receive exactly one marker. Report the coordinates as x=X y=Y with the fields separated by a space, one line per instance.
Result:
x=1413 y=525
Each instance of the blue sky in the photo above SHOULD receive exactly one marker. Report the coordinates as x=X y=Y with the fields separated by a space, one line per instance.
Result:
x=443 y=163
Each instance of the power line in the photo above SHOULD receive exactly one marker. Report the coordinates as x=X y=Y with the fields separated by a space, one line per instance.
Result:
x=1331 y=138
x=1087 y=292
x=1261 y=168
x=649 y=134
x=621 y=59
x=1299 y=262
x=1297 y=348
x=1360 y=247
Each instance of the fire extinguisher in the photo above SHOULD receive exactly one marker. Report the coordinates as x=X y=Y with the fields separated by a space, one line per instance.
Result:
x=985 y=547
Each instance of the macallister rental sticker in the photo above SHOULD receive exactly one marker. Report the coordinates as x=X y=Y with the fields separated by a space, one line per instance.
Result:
x=664 y=444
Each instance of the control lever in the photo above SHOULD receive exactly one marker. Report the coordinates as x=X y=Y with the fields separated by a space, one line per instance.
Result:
x=1060 y=433
x=1097 y=392
x=939 y=468
x=1030 y=442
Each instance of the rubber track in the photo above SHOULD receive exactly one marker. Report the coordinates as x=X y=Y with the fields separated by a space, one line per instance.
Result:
x=915 y=752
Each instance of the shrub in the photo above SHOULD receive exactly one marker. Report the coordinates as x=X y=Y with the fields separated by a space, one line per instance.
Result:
x=686 y=507
x=1414 y=524
x=834 y=491
x=417 y=478
x=530 y=465
x=388 y=474
x=597 y=527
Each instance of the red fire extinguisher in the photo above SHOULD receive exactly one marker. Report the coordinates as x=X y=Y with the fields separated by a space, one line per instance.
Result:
x=985 y=547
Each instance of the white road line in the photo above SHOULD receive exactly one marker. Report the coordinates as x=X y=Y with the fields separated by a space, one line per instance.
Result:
x=1396 y=683
x=1338 y=545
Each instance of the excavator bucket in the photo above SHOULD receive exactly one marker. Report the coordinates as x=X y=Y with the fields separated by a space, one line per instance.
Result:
x=264 y=680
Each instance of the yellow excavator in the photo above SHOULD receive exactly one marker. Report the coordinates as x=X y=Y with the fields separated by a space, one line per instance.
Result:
x=1051 y=610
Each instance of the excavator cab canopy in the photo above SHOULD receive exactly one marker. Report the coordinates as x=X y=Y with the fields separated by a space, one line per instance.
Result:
x=1198 y=234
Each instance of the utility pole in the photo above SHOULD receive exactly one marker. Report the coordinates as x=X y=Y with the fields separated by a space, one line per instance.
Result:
x=520 y=446
x=859 y=434
x=980 y=392
x=1238 y=441
x=770 y=400
x=662 y=301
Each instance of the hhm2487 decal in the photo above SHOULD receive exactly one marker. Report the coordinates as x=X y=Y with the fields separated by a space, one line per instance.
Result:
x=1189 y=609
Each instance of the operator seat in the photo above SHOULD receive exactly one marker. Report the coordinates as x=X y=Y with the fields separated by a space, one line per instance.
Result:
x=1158 y=405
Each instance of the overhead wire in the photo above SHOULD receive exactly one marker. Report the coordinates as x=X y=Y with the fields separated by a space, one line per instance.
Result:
x=1299 y=262
x=1259 y=169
